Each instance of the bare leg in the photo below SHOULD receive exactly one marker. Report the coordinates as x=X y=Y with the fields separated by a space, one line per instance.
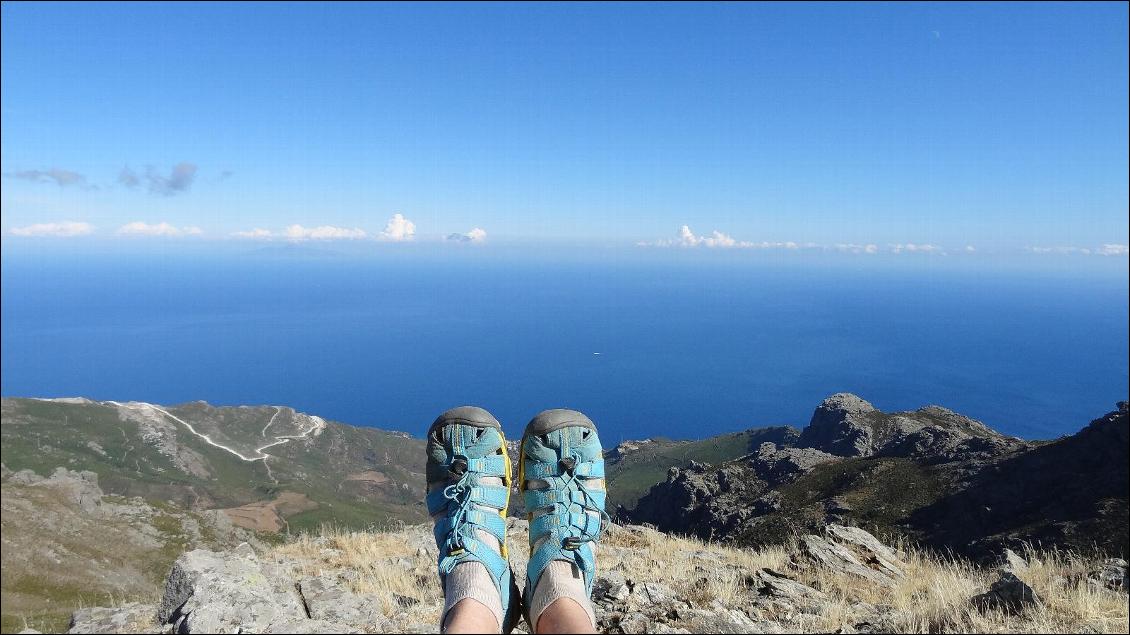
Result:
x=564 y=616
x=470 y=616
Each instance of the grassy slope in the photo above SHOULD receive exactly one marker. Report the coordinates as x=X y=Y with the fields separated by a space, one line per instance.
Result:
x=41 y=436
x=89 y=560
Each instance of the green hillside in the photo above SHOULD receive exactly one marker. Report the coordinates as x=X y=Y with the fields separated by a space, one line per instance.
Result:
x=346 y=475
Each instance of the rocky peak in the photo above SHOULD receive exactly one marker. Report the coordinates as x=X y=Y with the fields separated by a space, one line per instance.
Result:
x=846 y=425
x=842 y=424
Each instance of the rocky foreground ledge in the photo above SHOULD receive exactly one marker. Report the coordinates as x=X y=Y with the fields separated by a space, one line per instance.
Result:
x=844 y=580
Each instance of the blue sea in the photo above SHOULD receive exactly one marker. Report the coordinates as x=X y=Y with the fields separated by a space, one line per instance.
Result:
x=654 y=345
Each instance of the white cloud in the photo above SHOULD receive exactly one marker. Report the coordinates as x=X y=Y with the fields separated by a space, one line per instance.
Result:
x=476 y=235
x=254 y=234
x=398 y=229
x=970 y=248
x=61 y=229
x=768 y=245
x=140 y=228
x=916 y=248
x=856 y=248
x=688 y=238
x=1108 y=249
x=717 y=239
x=323 y=232
x=1113 y=250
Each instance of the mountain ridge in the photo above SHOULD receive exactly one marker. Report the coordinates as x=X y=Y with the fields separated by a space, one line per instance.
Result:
x=165 y=479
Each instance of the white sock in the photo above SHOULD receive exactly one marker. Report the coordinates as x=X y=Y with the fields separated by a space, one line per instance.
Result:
x=559 y=580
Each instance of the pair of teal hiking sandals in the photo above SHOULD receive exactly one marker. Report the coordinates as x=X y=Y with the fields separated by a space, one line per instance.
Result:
x=560 y=474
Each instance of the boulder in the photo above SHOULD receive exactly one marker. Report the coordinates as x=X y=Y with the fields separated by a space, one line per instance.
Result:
x=850 y=551
x=1112 y=575
x=611 y=587
x=209 y=592
x=868 y=548
x=331 y=600
x=777 y=585
x=1009 y=594
x=1014 y=562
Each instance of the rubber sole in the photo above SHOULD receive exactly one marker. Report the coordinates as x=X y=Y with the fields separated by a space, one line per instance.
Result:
x=547 y=421
x=465 y=415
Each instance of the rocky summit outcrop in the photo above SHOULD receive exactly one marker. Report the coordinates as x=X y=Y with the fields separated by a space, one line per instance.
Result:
x=846 y=425
x=841 y=580
x=930 y=475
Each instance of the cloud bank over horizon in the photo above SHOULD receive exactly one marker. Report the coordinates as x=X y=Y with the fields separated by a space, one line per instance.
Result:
x=401 y=229
x=60 y=229
x=141 y=228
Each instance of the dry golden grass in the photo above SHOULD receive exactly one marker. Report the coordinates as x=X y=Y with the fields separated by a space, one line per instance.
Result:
x=384 y=563
x=933 y=597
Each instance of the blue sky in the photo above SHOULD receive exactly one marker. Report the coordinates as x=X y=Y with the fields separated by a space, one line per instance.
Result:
x=939 y=126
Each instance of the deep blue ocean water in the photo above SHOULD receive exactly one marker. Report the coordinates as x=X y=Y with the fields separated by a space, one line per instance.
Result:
x=687 y=348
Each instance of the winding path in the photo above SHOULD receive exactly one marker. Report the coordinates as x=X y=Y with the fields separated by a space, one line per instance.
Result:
x=319 y=424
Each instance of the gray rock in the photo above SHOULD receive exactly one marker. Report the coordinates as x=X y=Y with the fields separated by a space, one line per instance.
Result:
x=330 y=600
x=777 y=585
x=846 y=425
x=660 y=627
x=634 y=623
x=316 y=626
x=24 y=477
x=656 y=593
x=777 y=466
x=129 y=618
x=1008 y=594
x=1014 y=562
x=867 y=548
x=208 y=592
x=841 y=425
x=610 y=586
x=719 y=621
x=830 y=555
x=1112 y=575
x=81 y=488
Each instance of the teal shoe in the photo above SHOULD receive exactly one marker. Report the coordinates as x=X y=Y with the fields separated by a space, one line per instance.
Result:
x=561 y=449
x=466 y=444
